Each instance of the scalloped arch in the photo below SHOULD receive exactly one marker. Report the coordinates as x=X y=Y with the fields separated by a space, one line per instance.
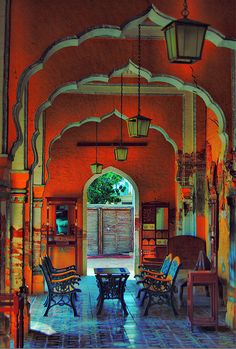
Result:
x=152 y=13
x=99 y=120
x=122 y=174
x=136 y=210
x=171 y=80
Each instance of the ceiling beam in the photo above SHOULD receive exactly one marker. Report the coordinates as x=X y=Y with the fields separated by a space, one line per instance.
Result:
x=111 y=144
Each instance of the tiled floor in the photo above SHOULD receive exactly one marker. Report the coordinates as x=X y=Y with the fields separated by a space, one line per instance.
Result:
x=160 y=329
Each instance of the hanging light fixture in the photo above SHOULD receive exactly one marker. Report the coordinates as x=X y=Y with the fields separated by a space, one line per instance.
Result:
x=121 y=152
x=96 y=168
x=185 y=38
x=138 y=126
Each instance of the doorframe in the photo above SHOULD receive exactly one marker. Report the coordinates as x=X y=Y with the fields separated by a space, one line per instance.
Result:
x=135 y=222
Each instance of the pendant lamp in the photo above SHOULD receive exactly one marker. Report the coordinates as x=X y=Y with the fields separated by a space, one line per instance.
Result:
x=138 y=126
x=185 y=38
x=96 y=167
x=121 y=152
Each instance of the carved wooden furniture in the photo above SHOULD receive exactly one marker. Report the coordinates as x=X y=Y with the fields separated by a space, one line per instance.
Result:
x=62 y=289
x=160 y=290
x=203 y=263
x=111 y=283
x=62 y=224
x=210 y=279
x=187 y=247
x=155 y=233
x=144 y=271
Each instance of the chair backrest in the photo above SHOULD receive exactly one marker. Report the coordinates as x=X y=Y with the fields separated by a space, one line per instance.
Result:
x=174 y=268
x=49 y=262
x=45 y=274
x=166 y=264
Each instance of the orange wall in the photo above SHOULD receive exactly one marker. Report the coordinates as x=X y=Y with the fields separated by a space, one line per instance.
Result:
x=156 y=168
x=32 y=33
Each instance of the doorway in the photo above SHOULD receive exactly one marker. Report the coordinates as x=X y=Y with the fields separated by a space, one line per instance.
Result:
x=111 y=235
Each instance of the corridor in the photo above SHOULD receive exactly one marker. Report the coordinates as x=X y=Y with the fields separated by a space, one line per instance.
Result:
x=161 y=329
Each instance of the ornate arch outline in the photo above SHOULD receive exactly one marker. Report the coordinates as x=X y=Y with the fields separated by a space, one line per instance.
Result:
x=152 y=14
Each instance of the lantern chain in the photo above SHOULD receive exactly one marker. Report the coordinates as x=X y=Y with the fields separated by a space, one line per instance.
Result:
x=96 y=142
x=139 y=67
x=121 y=107
x=185 y=11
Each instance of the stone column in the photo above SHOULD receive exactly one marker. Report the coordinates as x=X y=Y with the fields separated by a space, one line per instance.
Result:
x=18 y=198
x=4 y=229
x=231 y=303
x=37 y=224
x=17 y=212
x=81 y=240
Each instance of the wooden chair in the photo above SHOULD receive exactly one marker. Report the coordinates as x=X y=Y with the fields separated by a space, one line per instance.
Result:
x=62 y=290
x=160 y=290
x=163 y=271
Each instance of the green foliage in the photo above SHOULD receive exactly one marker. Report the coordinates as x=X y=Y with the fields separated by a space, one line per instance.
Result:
x=106 y=189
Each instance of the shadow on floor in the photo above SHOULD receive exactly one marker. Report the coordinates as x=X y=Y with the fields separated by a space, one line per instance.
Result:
x=160 y=329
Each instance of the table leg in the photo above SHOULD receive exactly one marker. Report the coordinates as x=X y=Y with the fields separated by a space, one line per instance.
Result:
x=123 y=304
x=99 y=305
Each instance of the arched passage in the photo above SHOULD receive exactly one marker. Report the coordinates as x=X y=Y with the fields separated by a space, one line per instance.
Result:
x=136 y=215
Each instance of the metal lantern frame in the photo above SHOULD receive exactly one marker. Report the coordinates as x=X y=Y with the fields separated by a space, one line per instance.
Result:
x=185 y=38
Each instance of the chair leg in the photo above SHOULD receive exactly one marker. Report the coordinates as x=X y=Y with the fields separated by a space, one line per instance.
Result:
x=148 y=304
x=72 y=297
x=46 y=301
x=144 y=297
x=99 y=305
x=172 y=304
x=48 y=304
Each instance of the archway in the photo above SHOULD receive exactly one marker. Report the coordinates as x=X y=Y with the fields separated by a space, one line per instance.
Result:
x=135 y=216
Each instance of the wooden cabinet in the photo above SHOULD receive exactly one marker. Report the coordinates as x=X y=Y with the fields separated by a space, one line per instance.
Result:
x=203 y=278
x=62 y=232
x=155 y=232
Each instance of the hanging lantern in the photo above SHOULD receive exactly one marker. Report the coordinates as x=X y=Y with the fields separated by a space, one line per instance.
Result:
x=96 y=168
x=185 y=39
x=138 y=126
x=121 y=153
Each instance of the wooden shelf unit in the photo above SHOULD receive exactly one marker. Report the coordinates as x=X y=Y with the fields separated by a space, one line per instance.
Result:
x=68 y=238
x=155 y=233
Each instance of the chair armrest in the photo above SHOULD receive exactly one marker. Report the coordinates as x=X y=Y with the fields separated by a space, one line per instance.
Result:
x=155 y=273
x=66 y=269
x=71 y=277
x=64 y=273
x=157 y=278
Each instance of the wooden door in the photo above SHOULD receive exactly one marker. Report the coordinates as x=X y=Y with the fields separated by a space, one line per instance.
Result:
x=117 y=231
x=110 y=230
x=92 y=229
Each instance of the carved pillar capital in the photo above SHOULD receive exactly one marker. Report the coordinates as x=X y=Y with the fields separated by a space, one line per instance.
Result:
x=18 y=196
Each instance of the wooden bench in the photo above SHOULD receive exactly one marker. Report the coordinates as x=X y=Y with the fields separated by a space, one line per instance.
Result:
x=159 y=290
x=62 y=289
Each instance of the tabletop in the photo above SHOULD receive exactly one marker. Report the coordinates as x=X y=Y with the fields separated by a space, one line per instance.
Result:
x=111 y=271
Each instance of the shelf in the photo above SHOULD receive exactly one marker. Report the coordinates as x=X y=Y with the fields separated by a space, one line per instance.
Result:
x=155 y=232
